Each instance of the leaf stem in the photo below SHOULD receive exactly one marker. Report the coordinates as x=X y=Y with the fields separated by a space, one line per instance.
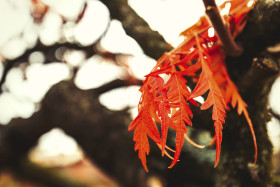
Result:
x=229 y=45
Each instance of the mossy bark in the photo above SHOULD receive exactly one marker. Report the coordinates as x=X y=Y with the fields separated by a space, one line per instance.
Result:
x=254 y=73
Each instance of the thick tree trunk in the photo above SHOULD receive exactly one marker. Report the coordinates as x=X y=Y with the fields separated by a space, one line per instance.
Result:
x=254 y=73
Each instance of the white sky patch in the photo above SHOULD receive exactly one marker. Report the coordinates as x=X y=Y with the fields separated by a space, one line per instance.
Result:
x=274 y=99
x=57 y=142
x=273 y=128
x=133 y=112
x=30 y=35
x=178 y=41
x=93 y=24
x=117 y=41
x=56 y=149
x=69 y=9
x=165 y=77
x=211 y=32
x=14 y=80
x=121 y=98
x=141 y=65
x=199 y=99
x=74 y=57
x=225 y=11
x=14 y=48
x=1 y=68
x=41 y=77
x=50 y=29
x=68 y=31
x=14 y=17
x=11 y=107
x=36 y=57
x=22 y=94
x=250 y=3
x=170 y=17
x=96 y=72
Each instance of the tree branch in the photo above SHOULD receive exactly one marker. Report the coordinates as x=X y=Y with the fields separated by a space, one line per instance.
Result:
x=229 y=45
x=49 y=52
x=151 y=41
x=118 y=83
x=274 y=114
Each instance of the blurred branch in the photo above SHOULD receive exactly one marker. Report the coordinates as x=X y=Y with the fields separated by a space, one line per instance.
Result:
x=49 y=52
x=151 y=41
x=118 y=83
x=274 y=114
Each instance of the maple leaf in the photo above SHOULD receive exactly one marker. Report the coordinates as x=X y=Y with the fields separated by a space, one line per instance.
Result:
x=231 y=93
x=140 y=137
x=173 y=95
x=177 y=95
x=163 y=109
x=144 y=125
x=215 y=98
x=165 y=101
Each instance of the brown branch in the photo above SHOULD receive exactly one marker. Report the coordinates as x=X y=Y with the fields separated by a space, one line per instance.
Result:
x=118 y=83
x=229 y=45
x=151 y=41
x=49 y=52
x=274 y=114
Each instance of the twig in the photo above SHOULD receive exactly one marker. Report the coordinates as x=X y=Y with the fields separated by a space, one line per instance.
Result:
x=274 y=114
x=152 y=43
x=229 y=45
x=117 y=83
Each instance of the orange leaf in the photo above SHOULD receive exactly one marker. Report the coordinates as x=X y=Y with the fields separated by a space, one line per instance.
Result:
x=166 y=102
x=215 y=98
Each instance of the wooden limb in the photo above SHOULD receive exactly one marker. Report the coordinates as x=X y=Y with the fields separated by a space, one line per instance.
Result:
x=274 y=114
x=152 y=43
x=229 y=45
x=118 y=83
x=49 y=52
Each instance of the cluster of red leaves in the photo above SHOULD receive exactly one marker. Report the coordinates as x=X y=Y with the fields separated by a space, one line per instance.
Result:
x=166 y=98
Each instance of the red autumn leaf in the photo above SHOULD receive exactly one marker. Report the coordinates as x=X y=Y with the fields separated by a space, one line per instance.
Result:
x=165 y=96
x=144 y=125
x=177 y=94
x=215 y=98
